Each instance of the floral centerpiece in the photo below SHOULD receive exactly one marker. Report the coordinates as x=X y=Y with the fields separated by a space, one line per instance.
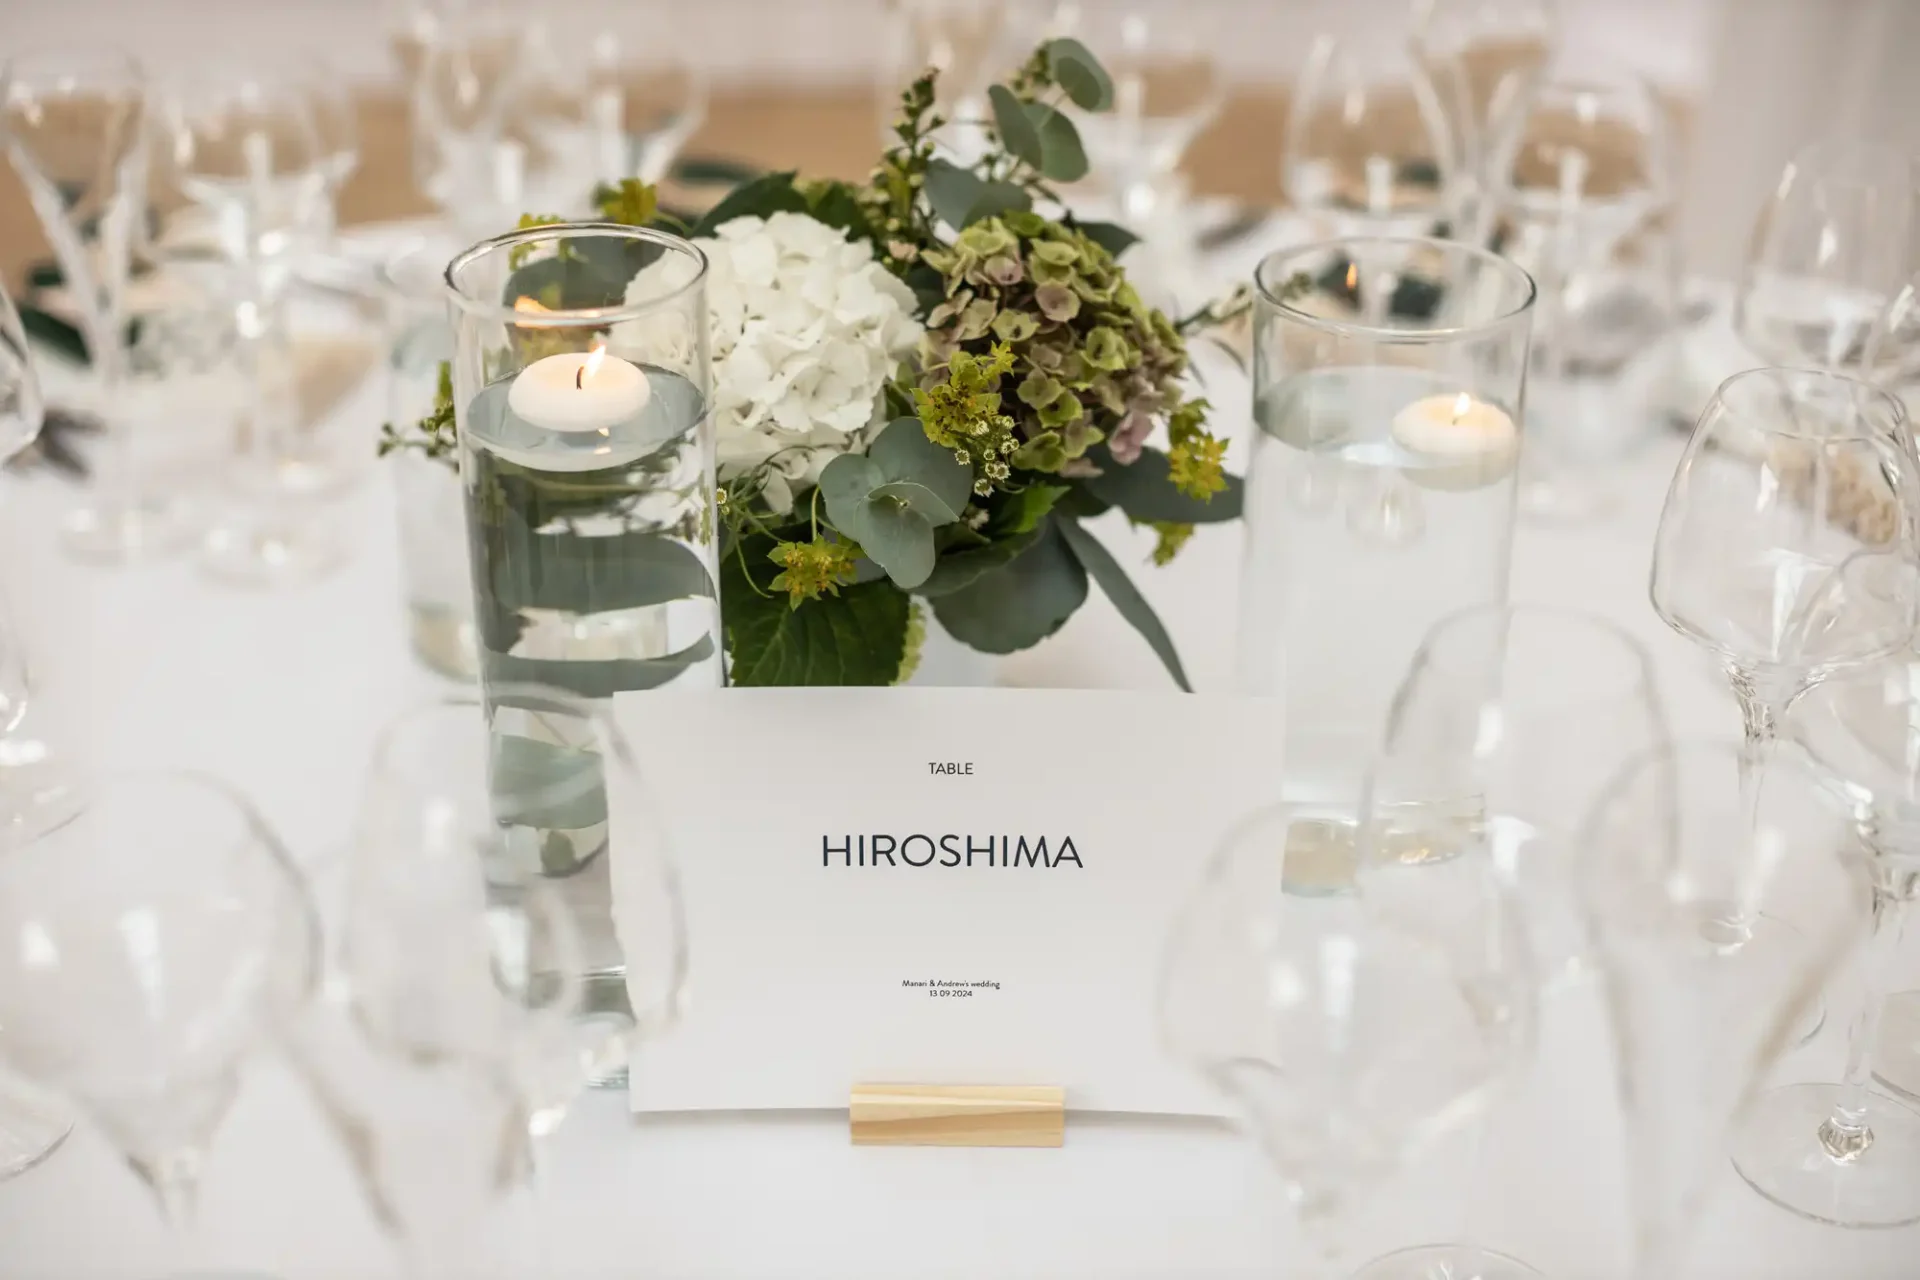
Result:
x=922 y=385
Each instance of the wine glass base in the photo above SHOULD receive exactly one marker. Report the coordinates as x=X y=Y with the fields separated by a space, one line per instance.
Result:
x=270 y=556
x=1779 y=1151
x=31 y=1129
x=1896 y=1057
x=150 y=529
x=1446 y=1262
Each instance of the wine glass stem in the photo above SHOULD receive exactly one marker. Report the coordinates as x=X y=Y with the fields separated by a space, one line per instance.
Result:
x=1761 y=705
x=1846 y=1133
x=175 y=1179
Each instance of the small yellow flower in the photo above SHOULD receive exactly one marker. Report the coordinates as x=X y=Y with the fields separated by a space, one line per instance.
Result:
x=810 y=570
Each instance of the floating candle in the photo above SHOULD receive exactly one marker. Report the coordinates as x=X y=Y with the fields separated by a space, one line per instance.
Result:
x=579 y=391
x=1454 y=427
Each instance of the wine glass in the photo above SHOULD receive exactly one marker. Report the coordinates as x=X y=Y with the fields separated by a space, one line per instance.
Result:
x=444 y=1013
x=1580 y=189
x=467 y=157
x=1838 y=1153
x=1485 y=58
x=1350 y=1029
x=30 y=1127
x=1168 y=86
x=74 y=126
x=961 y=39
x=1830 y=249
x=1367 y=147
x=1782 y=543
x=153 y=935
x=336 y=126
x=1478 y=757
x=246 y=153
x=619 y=95
x=520 y=778
x=1715 y=927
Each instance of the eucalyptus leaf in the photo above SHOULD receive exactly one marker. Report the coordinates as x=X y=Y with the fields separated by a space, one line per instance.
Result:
x=766 y=195
x=1145 y=491
x=903 y=452
x=963 y=568
x=898 y=539
x=1062 y=156
x=704 y=171
x=1105 y=570
x=1016 y=126
x=997 y=198
x=545 y=785
x=1019 y=604
x=858 y=637
x=593 y=575
x=1111 y=236
x=1077 y=71
x=918 y=499
x=952 y=192
x=595 y=679
x=845 y=484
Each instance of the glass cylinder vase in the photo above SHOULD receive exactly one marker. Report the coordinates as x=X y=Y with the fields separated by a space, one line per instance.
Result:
x=1389 y=393
x=580 y=385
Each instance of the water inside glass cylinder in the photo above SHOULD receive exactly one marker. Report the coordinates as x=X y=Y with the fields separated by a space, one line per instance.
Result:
x=1356 y=547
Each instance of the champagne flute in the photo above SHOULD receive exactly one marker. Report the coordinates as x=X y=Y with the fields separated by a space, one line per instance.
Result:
x=1715 y=927
x=1350 y=1029
x=74 y=124
x=1780 y=545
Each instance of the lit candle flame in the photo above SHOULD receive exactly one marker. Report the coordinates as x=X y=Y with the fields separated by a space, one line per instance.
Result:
x=1353 y=277
x=1462 y=403
x=592 y=365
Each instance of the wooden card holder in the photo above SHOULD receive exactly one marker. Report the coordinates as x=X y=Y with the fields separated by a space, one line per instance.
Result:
x=919 y=1115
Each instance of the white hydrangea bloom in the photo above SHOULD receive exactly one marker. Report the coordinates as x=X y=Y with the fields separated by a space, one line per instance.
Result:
x=806 y=328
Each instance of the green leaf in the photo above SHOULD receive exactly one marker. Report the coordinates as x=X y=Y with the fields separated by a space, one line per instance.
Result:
x=845 y=484
x=593 y=575
x=952 y=192
x=898 y=539
x=903 y=452
x=769 y=194
x=1017 y=131
x=858 y=637
x=1063 y=158
x=1112 y=237
x=1105 y=570
x=1145 y=492
x=545 y=785
x=997 y=198
x=919 y=499
x=835 y=204
x=705 y=171
x=1026 y=509
x=595 y=679
x=1019 y=604
x=1077 y=71
x=960 y=569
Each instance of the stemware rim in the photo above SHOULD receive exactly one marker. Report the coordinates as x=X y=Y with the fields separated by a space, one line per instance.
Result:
x=1832 y=377
x=1265 y=273
x=563 y=318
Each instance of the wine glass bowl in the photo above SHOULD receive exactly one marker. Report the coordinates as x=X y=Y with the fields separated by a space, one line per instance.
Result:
x=1485 y=57
x=1367 y=144
x=152 y=936
x=1830 y=249
x=1789 y=475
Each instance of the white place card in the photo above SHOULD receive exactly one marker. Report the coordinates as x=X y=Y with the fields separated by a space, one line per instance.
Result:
x=934 y=886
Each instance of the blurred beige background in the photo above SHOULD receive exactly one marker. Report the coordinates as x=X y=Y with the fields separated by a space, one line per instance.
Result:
x=793 y=80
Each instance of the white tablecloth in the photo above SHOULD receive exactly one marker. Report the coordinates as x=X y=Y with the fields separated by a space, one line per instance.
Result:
x=283 y=693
